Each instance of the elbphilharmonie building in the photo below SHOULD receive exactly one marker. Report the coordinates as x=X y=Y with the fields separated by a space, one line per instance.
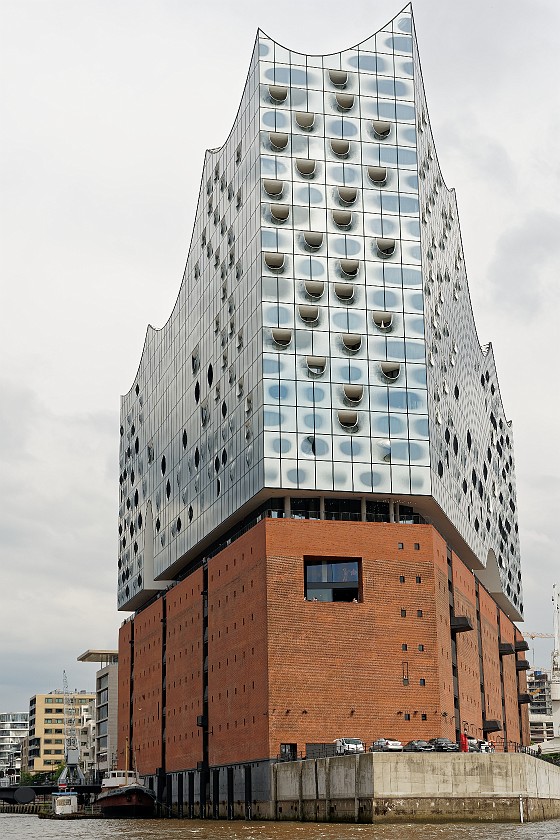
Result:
x=319 y=409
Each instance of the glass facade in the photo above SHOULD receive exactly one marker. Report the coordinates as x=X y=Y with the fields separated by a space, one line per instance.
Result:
x=322 y=342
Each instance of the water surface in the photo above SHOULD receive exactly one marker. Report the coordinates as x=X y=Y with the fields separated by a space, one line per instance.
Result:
x=23 y=827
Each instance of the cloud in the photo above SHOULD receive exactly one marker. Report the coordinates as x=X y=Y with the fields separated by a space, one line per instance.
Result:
x=57 y=499
x=524 y=271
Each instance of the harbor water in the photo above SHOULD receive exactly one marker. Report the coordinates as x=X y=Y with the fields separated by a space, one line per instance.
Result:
x=28 y=827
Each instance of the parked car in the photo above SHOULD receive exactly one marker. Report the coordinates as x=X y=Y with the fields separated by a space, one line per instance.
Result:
x=473 y=745
x=386 y=745
x=444 y=745
x=418 y=746
x=349 y=746
x=485 y=746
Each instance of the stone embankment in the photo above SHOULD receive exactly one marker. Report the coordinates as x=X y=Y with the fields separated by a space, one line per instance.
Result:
x=425 y=787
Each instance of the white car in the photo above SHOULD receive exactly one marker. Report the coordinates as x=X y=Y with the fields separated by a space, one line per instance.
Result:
x=349 y=746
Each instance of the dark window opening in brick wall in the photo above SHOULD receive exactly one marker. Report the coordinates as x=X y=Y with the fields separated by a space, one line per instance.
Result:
x=333 y=578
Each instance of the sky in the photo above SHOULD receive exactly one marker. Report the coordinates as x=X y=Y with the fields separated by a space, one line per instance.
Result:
x=106 y=109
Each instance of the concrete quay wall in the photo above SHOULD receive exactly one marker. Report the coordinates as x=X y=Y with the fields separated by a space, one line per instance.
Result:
x=378 y=787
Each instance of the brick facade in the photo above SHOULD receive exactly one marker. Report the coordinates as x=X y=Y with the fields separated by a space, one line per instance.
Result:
x=282 y=669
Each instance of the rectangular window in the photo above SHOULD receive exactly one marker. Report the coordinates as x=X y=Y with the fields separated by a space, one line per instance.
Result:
x=403 y=613
x=401 y=579
x=416 y=546
x=419 y=613
x=418 y=579
x=424 y=716
x=405 y=673
x=422 y=681
x=407 y=715
x=420 y=647
x=332 y=578
x=405 y=646
x=400 y=546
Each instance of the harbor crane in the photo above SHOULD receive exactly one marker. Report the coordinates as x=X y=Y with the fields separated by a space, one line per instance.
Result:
x=72 y=773
x=555 y=674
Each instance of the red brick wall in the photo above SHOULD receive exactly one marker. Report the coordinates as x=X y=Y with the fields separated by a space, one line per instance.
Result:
x=285 y=670
x=184 y=673
x=443 y=631
x=507 y=629
x=522 y=687
x=490 y=658
x=468 y=664
x=123 y=717
x=238 y=663
x=146 y=733
x=336 y=669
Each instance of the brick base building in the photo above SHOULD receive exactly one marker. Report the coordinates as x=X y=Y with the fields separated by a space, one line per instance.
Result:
x=304 y=631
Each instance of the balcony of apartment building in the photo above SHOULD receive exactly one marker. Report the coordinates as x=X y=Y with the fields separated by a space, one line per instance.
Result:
x=34 y=749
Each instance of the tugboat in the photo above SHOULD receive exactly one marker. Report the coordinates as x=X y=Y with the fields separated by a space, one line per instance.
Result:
x=123 y=795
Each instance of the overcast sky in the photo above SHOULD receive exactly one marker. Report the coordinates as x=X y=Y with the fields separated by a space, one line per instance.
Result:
x=107 y=107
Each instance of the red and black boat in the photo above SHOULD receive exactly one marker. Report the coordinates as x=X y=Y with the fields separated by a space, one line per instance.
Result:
x=123 y=796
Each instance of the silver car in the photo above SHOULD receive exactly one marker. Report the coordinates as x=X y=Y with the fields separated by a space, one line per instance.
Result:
x=386 y=745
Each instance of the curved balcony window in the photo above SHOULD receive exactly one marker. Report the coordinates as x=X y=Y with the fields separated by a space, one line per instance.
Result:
x=345 y=101
x=348 y=418
x=279 y=212
x=306 y=167
x=309 y=314
x=278 y=93
x=385 y=446
x=349 y=267
x=341 y=148
x=352 y=342
x=342 y=218
x=383 y=320
x=305 y=120
x=273 y=187
x=278 y=140
x=381 y=128
x=377 y=175
x=344 y=291
x=274 y=261
x=347 y=195
x=339 y=78
x=316 y=365
x=281 y=337
x=313 y=239
x=314 y=288
x=354 y=393
x=391 y=370
x=385 y=247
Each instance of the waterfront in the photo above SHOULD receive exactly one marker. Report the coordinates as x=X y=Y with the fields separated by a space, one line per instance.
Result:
x=19 y=827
